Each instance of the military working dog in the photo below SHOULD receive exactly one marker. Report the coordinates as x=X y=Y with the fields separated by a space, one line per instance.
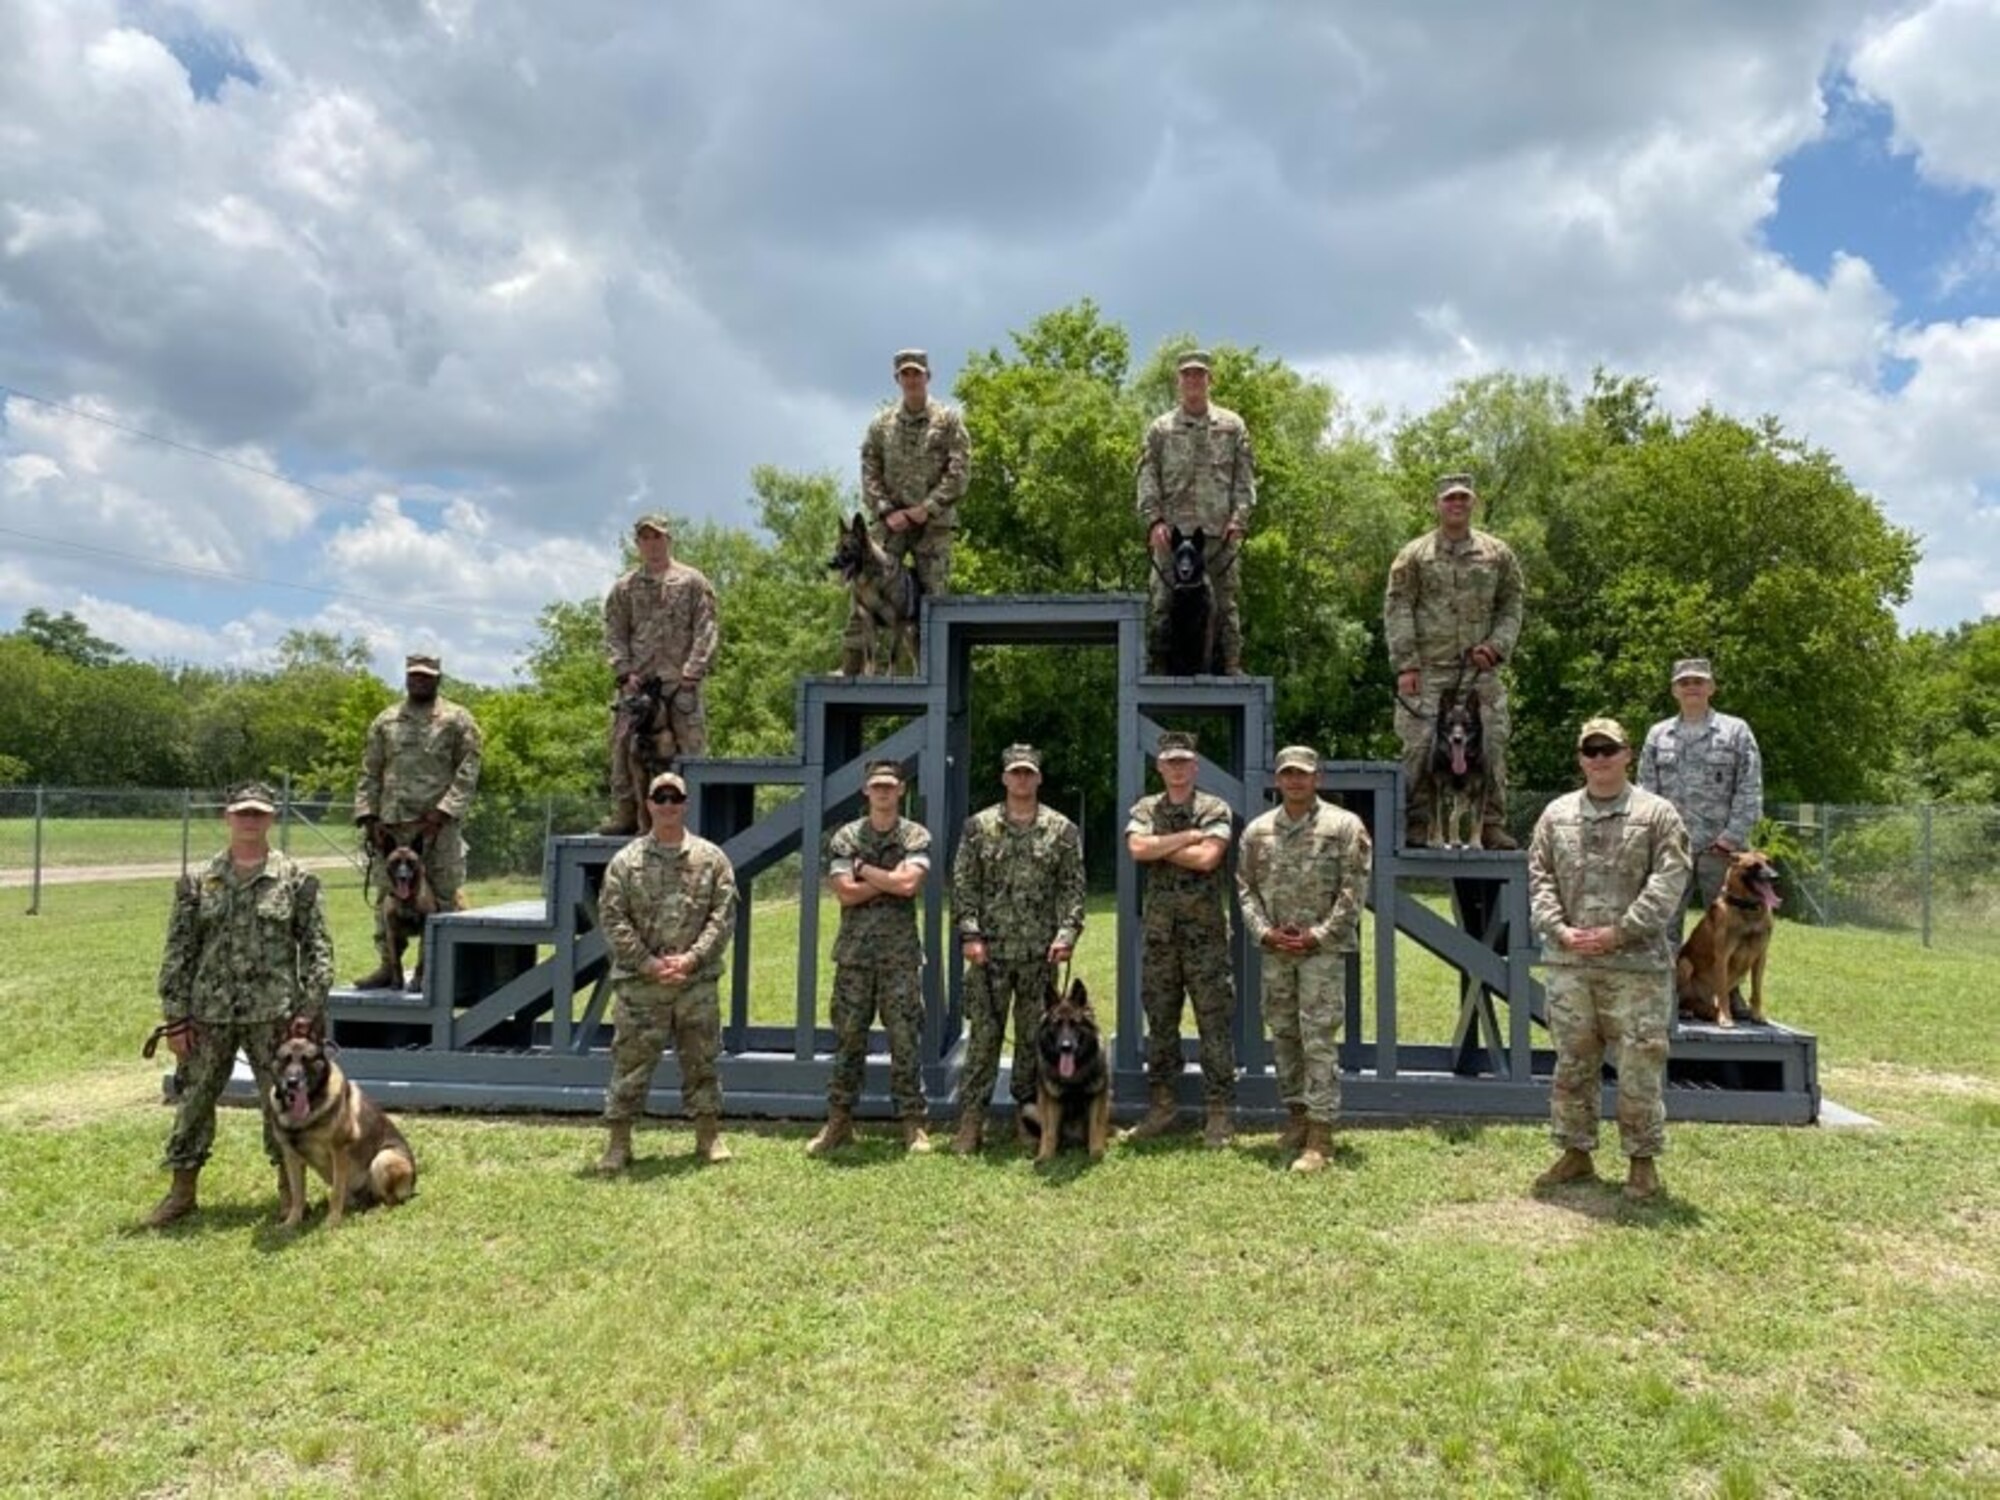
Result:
x=1732 y=939
x=1189 y=640
x=644 y=734
x=324 y=1121
x=406 y=901
x=1457 y=770
x=886 y=593
x=1075 y=1083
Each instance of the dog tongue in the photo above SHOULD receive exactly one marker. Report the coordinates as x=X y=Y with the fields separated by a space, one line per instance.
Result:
x=1772 y=901
x=1458 y=760
x=1066 y=1066
x=299 y=1105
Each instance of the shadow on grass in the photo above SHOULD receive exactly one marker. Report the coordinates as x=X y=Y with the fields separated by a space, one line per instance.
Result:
x=1604 y=1201
x=206 y=1220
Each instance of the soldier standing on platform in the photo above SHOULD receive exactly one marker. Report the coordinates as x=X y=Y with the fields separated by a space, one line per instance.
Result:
x=1707 y=764
x=1451 y=615
x=915 y=461
x=660 y=636
x=1606 y=868
x=1301 y=881
x=418 y=774
x=877 y=866
x=1196 y=470
x=1017 y=900
x=667 y=908
x=1181 y=835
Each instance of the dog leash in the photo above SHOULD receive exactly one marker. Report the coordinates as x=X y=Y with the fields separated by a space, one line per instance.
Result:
x=1224 y=562
x=1416 y=711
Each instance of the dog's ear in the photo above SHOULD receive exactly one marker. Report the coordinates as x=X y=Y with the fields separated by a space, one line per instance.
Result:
x=859 y=525
x=1175 y=537
x=1078 y=995
x=1200 y=536
x=1051 y=997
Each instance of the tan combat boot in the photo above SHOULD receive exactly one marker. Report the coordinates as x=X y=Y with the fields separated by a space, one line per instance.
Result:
x=1220 y=1129
x=1293 y=1136
x=853 y=662
x=179 y=1202
x=1642 y=1180
x=618 y=1151
x=1416 y=833
x=708 y=1145
x=971 y=1131
x=1318 y=1147
x=1493 y=836
x=1161 y=1115
x=385 y=976
x=838 y=1131
x=1572 y=1166
x=916 y=1140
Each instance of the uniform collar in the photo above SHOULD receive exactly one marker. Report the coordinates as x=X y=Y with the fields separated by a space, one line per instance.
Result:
x=1618 y=807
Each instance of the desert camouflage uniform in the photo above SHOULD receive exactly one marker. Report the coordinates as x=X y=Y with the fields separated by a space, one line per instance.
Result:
x=1186 y=948
x=1713 y=774
x=418 y=759
x=914 y=458
x=1624 y=865
x=1444 y=598
x=1311 y=873
x=244 y=954
x=1199 y=471
x=878 y=967
x=661 y=899
x=660 y=625
x=1019 y=887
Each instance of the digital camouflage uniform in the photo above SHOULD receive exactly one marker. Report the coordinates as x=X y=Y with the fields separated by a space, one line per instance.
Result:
x=913 y=458
x=659 y=625
x=1713 y=774
x=244 y=954
x=658 y=900
x=1019 y=888
x=1444 y=598
x=418 y=759
x=1199 y=471
x=1185 y=926
x=878 y=967
x=1311 y=873
x=1622 y=864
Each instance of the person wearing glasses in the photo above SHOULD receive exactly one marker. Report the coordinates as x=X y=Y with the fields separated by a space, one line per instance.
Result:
x=667 y=908
x=1606 y=867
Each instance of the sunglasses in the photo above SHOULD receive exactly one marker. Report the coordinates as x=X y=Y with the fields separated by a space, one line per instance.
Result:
x=1600 y=750
x=667 y=797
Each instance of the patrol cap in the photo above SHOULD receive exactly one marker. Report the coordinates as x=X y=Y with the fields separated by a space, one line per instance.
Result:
x=1692 y=666
x=1602 y=729
x=884 y=771
x=251 y=796
x=422 y=664
x=1298 y=758
x=1175 y=745
x=1194 y=359
x=653 y=520
x=907 y=359
x=1451 y=484
x=1016 y=756
x=669 y=779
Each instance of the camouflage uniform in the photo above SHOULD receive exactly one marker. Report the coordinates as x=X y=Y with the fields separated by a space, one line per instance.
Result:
x=418 y=759
x=1199 y=471
x=659 y=625
x=244 y=954
x=913 y=458
x=660 y=899
x=1622 y=864
x=1444 y=598
x=1713 y=774
x=1186 y=948
x=1311 y=873
x=1019 y=888
x=878 y=967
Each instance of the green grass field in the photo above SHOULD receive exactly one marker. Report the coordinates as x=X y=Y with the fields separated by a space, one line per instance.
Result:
x=1812 y=1313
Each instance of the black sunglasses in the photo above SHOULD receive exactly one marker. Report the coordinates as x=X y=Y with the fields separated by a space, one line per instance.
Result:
x=1600 y=749
x=667 y=796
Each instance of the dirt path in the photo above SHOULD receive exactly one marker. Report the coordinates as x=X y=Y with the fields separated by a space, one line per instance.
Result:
x=96 y=874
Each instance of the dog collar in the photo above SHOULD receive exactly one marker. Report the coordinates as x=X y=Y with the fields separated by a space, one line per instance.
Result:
x=1741 y=905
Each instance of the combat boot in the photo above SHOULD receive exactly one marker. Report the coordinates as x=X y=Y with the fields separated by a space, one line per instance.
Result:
x=1161 y=1115
x=1642 y=1180
x=1232 y=666
x=916 y=1140
x=1493 y=836
x=708 y=1145
x=852 y=662
x=971 y=1131
x=1572 y=1166
x=1416 y=833
x=1293 y=1136
x=623 y=822
x=838 y=1131
x=1220 y=1129
x=618 y=1151
x=179 y=1202
x=1318 y=1147
x=385 y=976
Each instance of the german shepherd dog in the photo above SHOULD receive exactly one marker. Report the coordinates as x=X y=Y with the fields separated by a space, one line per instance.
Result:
x=889 y=597
x=1732 y=939
x=1075 y=1083
x=324 y=1121
x=645 y=733
x=1457 y=773
x=1192 y=632
x=406 y=900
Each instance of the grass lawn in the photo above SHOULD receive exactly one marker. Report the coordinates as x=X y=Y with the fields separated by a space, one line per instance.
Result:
x=1812 y=1313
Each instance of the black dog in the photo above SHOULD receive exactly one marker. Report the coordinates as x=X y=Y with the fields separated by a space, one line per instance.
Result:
x=1457 y=773
x=1074 y=1081
x=886 y=593
x=644 y=731
x=1190 y=642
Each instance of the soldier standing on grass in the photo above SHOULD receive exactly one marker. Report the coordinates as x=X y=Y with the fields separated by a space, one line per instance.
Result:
x=1301 y=880
x=247 y=949
x=1707 y=764
x=418 y=774
x=1017 y=898
x=877 y=869
x=1606 y=868
x=667 y=907
x=1181 y=835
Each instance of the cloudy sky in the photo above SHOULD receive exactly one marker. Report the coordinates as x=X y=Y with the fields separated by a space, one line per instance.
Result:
x=488 y=276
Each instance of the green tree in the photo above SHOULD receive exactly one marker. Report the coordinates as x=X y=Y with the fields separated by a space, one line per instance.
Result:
x=66 y=636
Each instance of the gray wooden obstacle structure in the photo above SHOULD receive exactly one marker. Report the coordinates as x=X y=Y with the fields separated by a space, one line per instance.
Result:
x=513 y=1014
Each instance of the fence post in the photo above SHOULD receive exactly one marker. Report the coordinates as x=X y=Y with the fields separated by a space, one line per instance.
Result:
x=1926 y=874
x=285 y=815
x=187 y=818
x=1825 y=868
x=35 y=879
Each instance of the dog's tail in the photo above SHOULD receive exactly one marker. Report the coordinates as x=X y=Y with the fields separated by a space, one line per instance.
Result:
x=393 y=1176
